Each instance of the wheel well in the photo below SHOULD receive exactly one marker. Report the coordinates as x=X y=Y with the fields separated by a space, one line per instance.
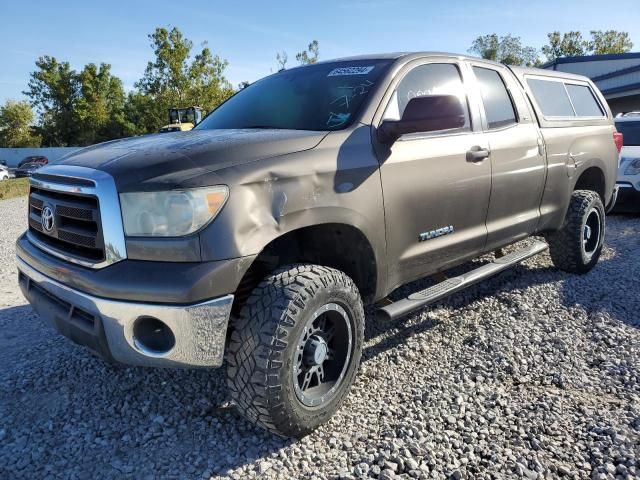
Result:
x=335 y=245
x=592 y=179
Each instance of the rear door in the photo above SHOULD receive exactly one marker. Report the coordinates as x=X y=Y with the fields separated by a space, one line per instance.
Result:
x=517 y=156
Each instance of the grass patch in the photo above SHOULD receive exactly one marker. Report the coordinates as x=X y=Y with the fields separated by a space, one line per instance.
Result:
x=14 y=187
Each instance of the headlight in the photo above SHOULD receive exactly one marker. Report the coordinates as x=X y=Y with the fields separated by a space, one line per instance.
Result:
x=174 y=213
x=633 y=167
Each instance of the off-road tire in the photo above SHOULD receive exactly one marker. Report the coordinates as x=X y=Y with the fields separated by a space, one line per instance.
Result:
x=566 y=244
x=261 y=349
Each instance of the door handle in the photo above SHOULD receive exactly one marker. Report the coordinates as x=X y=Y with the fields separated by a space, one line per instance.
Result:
x=477 y=154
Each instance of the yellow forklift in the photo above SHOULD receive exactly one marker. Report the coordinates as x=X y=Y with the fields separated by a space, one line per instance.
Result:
x=182 y=119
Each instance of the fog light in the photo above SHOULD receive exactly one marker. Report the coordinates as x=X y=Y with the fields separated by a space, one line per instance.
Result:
x=153 y=337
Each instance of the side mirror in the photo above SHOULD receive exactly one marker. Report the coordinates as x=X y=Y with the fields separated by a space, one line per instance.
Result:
x=424 y=114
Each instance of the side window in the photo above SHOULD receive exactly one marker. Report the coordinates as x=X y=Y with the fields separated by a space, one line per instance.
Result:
x=496 y=100
x=551 y=97
x=584 y=103
x=423 y=80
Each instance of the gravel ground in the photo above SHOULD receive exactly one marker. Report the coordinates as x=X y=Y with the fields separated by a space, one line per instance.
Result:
x=533 y=374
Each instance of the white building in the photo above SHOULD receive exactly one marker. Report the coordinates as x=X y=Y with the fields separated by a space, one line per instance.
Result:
x=616 y=75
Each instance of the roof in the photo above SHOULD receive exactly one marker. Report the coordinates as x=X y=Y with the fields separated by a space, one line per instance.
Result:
x=373 y=56
x=407 y=55
x=521 y=71
x=412 y=55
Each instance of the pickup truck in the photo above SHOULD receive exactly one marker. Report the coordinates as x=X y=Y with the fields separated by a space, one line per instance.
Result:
x=257 y=238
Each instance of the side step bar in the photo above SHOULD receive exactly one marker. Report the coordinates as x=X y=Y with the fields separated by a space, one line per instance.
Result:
x=452 y=285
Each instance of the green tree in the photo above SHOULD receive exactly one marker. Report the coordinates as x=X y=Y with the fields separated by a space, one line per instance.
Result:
x=100 y=106
x=141 y=114
x=175 y=79
x=53 y=91
x=569 y=44
x=610 y=41
x=16 y=119
x=208 y=86
x=508 y=50
x=77 y=108
x=572 y=44
x=310 y=55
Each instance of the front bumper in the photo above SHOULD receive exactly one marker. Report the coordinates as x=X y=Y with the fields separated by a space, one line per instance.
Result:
x=107 y=326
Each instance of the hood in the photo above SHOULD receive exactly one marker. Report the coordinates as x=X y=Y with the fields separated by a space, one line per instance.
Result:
x=165 y=160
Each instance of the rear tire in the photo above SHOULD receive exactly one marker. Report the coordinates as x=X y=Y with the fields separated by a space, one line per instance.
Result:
x=295 y=348
x=577 y=246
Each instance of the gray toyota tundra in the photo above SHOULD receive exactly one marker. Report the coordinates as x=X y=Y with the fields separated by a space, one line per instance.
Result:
x=257 y=238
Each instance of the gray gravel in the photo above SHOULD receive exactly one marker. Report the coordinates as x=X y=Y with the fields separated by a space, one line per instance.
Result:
x=533 y=374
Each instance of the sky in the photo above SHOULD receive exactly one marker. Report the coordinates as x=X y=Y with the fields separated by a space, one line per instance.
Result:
x=249 y=33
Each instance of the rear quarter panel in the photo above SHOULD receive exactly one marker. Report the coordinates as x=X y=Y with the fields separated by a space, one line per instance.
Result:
x=570 y=152
x=572 y=145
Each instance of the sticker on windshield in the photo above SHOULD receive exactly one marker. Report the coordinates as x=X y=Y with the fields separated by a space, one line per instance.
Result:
x=337 y=119
x=342 y=71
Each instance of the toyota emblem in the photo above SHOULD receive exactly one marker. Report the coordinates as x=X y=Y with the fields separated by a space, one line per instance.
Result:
x=47 y=220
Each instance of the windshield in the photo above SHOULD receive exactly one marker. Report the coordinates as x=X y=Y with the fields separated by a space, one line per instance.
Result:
x=630 y=132
x=324 y=96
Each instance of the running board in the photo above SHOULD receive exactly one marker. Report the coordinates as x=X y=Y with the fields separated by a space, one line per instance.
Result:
x=452 y=285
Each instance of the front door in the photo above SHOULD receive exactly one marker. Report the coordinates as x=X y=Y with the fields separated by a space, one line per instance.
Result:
x=436 y=185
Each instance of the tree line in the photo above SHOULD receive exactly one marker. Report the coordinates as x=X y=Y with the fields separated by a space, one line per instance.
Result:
x=66 y=107
x=509 y=49
x=88 y=106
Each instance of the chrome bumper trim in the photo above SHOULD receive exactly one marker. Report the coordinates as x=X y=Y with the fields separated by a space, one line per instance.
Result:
x=200 y=330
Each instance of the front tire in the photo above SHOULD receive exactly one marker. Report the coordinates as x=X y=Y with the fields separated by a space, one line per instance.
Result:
x=577 y=246
x=295 y=348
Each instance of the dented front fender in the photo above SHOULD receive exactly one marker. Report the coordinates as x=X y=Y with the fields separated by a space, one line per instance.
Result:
x=338 y=181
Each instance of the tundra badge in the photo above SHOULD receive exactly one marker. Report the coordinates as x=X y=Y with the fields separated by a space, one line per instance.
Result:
x=435 y=233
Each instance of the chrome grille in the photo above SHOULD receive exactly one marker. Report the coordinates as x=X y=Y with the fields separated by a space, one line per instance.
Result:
x=85 y=208
x=76 y=227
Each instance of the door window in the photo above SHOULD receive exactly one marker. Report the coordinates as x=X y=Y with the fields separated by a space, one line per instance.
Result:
x=430 y=79
x=495 y=97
